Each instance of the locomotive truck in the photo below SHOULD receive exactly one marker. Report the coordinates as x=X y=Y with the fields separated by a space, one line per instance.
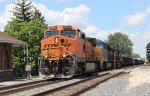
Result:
x=66 y=52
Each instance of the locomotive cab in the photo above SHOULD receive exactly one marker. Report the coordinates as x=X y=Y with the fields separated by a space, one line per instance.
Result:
x=55 y=39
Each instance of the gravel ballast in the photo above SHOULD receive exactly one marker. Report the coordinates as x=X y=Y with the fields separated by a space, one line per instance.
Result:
x=136 y=82
x=44 y=88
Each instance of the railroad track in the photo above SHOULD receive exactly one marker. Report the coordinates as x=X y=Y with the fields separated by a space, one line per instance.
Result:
x=7 y=90
x=86 y=85
x=79 y=87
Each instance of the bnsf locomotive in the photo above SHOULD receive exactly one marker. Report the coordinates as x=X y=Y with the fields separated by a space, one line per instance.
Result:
x=66 y=52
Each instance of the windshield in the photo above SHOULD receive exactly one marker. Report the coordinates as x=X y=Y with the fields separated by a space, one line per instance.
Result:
x=68 y=33
x=51 y=33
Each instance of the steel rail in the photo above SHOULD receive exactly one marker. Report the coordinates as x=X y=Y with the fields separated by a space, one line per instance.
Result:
x=26 y=86
x=66 y=86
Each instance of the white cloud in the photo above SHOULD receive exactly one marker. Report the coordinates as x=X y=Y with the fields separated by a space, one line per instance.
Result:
x=57 y=1
x=140 y=41
x=148 y=10
x=93 y=31
x=70 y=16
x=2 y=1
x=135 y=19
x=60 y=1
x=6 y=1
x=5 y=16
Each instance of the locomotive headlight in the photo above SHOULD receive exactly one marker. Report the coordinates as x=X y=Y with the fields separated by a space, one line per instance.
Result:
x=56 y=39
x=64 y=55
x=46 y=56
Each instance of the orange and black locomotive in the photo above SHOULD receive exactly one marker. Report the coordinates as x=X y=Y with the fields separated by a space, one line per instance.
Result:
x=66 y=51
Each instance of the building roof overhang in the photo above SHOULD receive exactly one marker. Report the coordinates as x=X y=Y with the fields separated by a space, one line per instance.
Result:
x=5 y=38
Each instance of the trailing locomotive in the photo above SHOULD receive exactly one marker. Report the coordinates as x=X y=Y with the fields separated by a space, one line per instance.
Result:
x=66 y=52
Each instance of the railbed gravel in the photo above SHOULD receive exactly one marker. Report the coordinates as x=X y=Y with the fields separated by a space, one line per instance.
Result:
x=44 y=88
x=78 y=87
x=135 y=83
x=52 y=86
x=49 y=87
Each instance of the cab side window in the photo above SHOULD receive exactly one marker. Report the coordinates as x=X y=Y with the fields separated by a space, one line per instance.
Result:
x=81 y=35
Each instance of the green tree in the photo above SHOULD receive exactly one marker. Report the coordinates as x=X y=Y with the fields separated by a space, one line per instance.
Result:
x=37 y=15
x=148 y=52
x=27 y=29
x=135 y=55
x=22 y=11
x=122 y=42
x=148 y=47
x=30 y=32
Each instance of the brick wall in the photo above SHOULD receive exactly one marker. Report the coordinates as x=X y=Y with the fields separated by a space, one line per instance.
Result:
x=6 y=72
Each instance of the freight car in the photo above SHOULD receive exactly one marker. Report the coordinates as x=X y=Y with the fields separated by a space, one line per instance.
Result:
x=66 y=51
x=127 y=61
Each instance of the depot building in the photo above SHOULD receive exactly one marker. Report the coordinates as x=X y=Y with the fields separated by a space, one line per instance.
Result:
x=7 y=43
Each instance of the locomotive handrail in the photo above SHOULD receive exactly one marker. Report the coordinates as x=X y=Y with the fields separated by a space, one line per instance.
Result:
x=70 y=54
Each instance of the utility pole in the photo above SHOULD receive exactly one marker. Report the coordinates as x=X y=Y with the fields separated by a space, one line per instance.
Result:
x=27 y=55
x=27 y=52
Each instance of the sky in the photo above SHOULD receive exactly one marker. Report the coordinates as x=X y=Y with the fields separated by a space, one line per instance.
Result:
x=97 y=18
